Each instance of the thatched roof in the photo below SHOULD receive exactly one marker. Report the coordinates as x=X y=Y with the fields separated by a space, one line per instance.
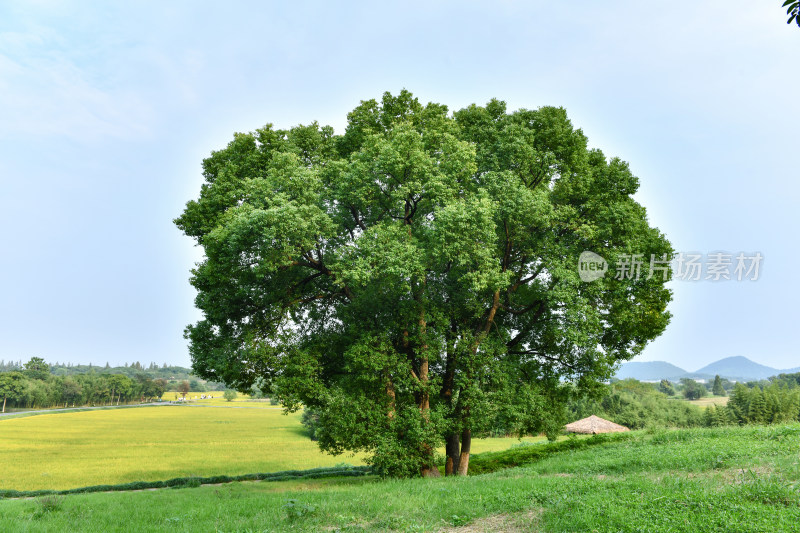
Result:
x=593 y=425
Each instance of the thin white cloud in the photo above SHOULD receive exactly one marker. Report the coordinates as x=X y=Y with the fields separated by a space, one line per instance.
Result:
x=45 y=92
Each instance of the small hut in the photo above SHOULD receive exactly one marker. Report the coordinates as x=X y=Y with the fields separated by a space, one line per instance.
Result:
x=593 y=425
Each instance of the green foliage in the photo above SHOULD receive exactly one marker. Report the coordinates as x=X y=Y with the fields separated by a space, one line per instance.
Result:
x=792 y=9
x=197 y=386
x=11 y=386
x=666 y=387
x=692 y=390
x=416 y=277
x=787 y=380
x=48 y=504
x=229 y=395
x=774 y=403
x=638 y=405
x=36 y=368
x=40 y=390
x=310 y=420
x=718 y=389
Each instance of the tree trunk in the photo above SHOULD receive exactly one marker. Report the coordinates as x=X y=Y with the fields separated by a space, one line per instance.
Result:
x=463 y=462
x=425 y=402
x=451 y=449
x=4 y=403
x=392 y=397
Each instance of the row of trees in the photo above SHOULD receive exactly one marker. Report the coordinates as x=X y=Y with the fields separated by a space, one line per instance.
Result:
x=172 y=373
x=34 y=386
x=8 y=366
x=694 y=390
x=771 y=404
x=639 y=405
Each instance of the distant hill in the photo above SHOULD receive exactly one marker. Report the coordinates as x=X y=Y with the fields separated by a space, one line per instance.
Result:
x=651 y=371
x=736 y=368
x=739 y=368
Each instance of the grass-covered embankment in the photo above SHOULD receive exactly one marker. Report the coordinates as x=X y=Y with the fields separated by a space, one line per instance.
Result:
x=729 y=479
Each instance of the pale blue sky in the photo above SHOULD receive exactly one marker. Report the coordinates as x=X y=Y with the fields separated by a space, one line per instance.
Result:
x=107 y=110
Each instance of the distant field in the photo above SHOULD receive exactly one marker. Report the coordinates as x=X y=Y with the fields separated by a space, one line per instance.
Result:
x=724 y=479
x=710 y=400
x=173 y=395
x=67 y=450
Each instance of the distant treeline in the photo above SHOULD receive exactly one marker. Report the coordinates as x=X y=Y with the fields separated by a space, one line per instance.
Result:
x=153 y=370
x=36 y=384
x=775 y=403
x=638 y=405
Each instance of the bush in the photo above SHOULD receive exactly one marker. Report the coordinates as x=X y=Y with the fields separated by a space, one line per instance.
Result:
x=229 y=395
x=48 y=504
x=693 y=390
x=310 y=420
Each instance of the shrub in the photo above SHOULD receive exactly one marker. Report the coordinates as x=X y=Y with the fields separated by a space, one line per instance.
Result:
x=310 y=420
x=48 y=504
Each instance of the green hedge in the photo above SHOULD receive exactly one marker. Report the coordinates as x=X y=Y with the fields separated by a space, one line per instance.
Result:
x=185 y=482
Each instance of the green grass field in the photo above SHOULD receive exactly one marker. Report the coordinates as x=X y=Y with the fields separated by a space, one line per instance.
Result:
x=68 y=450
x=724 y=479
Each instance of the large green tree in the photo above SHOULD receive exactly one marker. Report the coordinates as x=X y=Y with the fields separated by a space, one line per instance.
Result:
x=36 y=368
x=11 y=384
x=415 y=279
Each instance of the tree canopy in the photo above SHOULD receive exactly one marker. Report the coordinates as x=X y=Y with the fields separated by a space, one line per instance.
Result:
x=416 y=277
x=792 y=9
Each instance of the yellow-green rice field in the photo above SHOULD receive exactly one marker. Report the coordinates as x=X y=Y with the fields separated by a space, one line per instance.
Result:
x=67 y=450
x=709 y=401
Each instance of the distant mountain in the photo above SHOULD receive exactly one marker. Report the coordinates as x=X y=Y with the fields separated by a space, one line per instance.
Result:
x=739 y=368
x=736 y=368
x=650 y=371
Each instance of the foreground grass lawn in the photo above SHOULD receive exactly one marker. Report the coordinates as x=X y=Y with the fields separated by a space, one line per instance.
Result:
x=68 y=450
x=738 y=479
